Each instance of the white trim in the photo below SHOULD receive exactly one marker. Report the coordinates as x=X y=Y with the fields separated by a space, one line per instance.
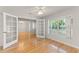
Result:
x=74 y=46
x=9 y=44
x=17 y=29
x=4 y=29
x=9 y=14
x=29 y=30
x=48 y=27
x=5 y=45
x=37 y=30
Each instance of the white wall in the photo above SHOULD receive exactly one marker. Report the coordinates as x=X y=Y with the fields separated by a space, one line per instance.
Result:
x=33 y=27
x=74 y=13
x=1 y=26
x=1 y=29
x=26 y=25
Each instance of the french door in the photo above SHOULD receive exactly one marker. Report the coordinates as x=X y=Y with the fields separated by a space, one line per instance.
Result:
x=40 y=28
x=10 y=30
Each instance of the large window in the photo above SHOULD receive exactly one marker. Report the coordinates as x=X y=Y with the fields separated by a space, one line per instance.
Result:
x=61 y=26
x=57 y=25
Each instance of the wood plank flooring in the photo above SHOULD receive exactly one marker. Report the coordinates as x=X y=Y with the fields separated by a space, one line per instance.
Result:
x=28 y=44
x=32 y=44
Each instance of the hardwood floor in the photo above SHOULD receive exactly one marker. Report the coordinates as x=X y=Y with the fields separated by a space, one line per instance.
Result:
x=28 y=44
x=32 y=44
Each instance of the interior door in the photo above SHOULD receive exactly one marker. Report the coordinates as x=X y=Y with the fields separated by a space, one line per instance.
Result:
x=10 y=30
x=40 y=28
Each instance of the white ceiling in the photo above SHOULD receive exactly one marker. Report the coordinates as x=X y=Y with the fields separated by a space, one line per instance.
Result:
x=31 y=11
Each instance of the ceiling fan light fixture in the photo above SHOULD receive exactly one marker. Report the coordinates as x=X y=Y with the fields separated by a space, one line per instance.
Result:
x=40 y=13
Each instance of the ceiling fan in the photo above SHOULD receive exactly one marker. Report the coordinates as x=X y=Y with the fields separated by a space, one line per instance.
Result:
x=38 y=10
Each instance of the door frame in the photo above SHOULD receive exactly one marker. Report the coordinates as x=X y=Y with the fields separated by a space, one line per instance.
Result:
x=37 y=28
x=5 y=31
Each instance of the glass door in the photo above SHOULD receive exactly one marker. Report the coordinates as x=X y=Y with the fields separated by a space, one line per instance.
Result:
x=40 y=28
x=10 y=34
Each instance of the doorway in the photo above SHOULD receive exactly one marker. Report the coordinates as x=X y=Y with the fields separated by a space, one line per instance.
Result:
x=26 y=31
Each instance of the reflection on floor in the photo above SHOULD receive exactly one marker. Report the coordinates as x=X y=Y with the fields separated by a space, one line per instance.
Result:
x=32 y=44
x=28 y=44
